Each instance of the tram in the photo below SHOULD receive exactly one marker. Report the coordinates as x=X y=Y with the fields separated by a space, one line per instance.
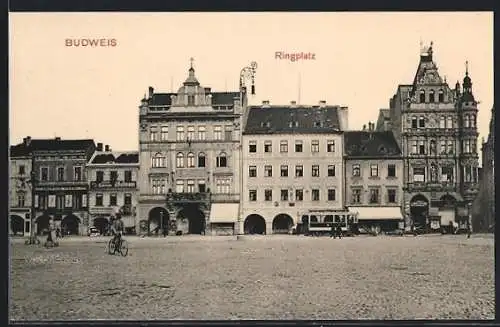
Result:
x=320 y=222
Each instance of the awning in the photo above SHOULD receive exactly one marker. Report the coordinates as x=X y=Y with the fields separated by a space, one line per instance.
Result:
x=377 y=213
x=224 y=212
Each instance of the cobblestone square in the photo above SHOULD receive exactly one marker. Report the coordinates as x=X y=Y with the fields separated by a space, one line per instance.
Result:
x=268 y=277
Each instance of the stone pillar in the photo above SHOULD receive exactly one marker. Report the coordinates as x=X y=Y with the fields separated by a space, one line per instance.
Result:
x=269 y=228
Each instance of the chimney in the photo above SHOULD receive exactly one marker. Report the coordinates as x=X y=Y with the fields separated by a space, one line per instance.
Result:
x=343 y=113
x=106 y=148
x=27 y=140
x=99 y=146
x=58 y=138
x=293 y=103
x=265 y=102
x=208 y=90
x=151 y=91
x=322 y=103
x=364 y=127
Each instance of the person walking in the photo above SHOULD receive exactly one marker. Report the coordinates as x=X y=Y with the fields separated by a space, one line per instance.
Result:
x=339 y=232
x=332 y=231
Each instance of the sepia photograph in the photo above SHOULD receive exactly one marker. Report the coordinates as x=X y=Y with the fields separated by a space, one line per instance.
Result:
x=251 y=166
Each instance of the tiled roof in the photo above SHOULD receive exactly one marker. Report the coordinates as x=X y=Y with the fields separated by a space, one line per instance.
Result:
x=54 y=145
x=218 y=98
x=285 y=119
x=161 y=99
x=224 y=97
x=19 y=150
x=115 y=158
x=370 y=144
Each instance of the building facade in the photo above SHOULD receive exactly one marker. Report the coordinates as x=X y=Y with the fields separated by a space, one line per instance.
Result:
x=292 y=163
x=374 y=179
x=189 y=153
x=61 y=189
x=436 y=129
x=113 y=188
x=20 y=189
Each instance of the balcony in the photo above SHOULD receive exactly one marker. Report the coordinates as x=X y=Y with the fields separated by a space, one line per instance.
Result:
x=431 y=186
x=421 y=131
x=188 y=197
x=112 y=185
x=62 y=183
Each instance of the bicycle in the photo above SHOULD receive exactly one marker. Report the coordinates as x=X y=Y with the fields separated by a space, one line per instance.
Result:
x=122 y=248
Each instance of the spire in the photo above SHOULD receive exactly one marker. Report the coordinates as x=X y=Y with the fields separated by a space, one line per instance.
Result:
x=191 y=60
x=467 y=85
x=191 y=80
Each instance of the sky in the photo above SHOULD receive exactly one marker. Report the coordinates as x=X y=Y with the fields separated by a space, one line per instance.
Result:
x=359 y=59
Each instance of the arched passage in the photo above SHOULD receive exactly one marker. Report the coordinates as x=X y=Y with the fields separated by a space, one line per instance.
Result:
x=254 y=224
x=447 y=201
x=102 y=224
x=419 y=210
x=194 y=217
x=158 y=220
x=16 y=224
x=70 y=224
x=42 y=224
x=447 y=204
x=282 y=224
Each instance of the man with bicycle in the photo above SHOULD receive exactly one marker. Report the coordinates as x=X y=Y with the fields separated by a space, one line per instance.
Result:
x=117 y=230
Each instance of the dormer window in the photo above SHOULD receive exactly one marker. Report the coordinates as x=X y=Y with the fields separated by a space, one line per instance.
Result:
x=422 y=96
x=382 y=149
x=317 y=124
x=294 y=124
x=190 y=100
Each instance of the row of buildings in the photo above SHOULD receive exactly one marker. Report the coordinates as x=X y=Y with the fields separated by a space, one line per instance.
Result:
x=210 y=163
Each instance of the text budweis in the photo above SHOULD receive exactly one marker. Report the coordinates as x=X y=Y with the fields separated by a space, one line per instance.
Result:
x=91 y=43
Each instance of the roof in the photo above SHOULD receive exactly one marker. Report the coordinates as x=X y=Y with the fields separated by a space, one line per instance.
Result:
x=224 y=97
x=50 y=145
x=115 y=158
x=286 y=119
x=385 y=113
x=161 y=99
x=371 y=144
x=19 y=150
x=218 y=98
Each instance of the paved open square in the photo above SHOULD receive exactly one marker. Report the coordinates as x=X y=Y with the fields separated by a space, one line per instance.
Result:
x=267 y=277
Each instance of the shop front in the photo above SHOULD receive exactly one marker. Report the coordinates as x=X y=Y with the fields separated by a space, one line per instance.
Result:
x=223 y=218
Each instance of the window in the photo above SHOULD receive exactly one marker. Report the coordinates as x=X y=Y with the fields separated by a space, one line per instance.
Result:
x=422 y=96
x=432 y=147
x=77 y=174
x=414 y=122
x=284 y=170
x=128 y=199
x=419 y=174
x=201 y=133
x=60 y=174
x=190 y=186
x=190 y=133
x=20 y=200
x=431 y=96
x=472 y=121
x=158 y=186
x=315 y=171
x=447 y=174
x=283 y=146
x=468 y=174
x=228 y=133
x=252 y=171
x=128 y=176
x=201 y=159
x=433 y=173
x=112 y=199
x=201 y=186
x=179 y=160
x=252 y=195
x=440 y=96
x=179 y=186
x=331 y=194
x=315 y=195
x=421 y=122
x=180 y=133
x=466 y=121
x=22 y=169
x=43 y=202
x=356 y=170
x=473 y=146
x=331 y=170
x=356 y=195
x=221 y=160
x=164 y=133
x=442 y=147
x=268 y=171
x=158 y=161
x=77 y=202
x=99 y=176
x=268 y=195
x=153 y=134
x=451 y=147
x=284 y=195
x=391 y=196
x=299 y=171
x=299 y=195
x=218 y=133
x=374 y=195
x=450 y=122
x=391 y=170
x=252 y=146
x=113 y=176
x=190 y=160
x=414 y=146
x=374 y=170
x=314 y=146
x=466 y=146
x=330 y=146
x=298 y=146
x=190 y=100
x=421 y=147
x=268 y=146
x=98 y=200
x=442 y=122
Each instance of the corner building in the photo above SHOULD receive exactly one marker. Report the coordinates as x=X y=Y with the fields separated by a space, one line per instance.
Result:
x=189 y=154
x=437 y=131
x=292 y=164
x=20 y=189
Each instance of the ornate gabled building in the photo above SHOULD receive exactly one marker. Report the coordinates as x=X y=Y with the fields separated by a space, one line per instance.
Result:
x=20 y=189
x=437 y=132
x=189 y=153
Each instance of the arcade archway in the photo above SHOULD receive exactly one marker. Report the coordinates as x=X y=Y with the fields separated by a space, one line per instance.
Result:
x=16 y=225
x=42 y=224
x=195 y=219
x=70 y=225
x=102 y=225
x=254 y=224
x=419 y=210
x=158 y=220
x=282 y=224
